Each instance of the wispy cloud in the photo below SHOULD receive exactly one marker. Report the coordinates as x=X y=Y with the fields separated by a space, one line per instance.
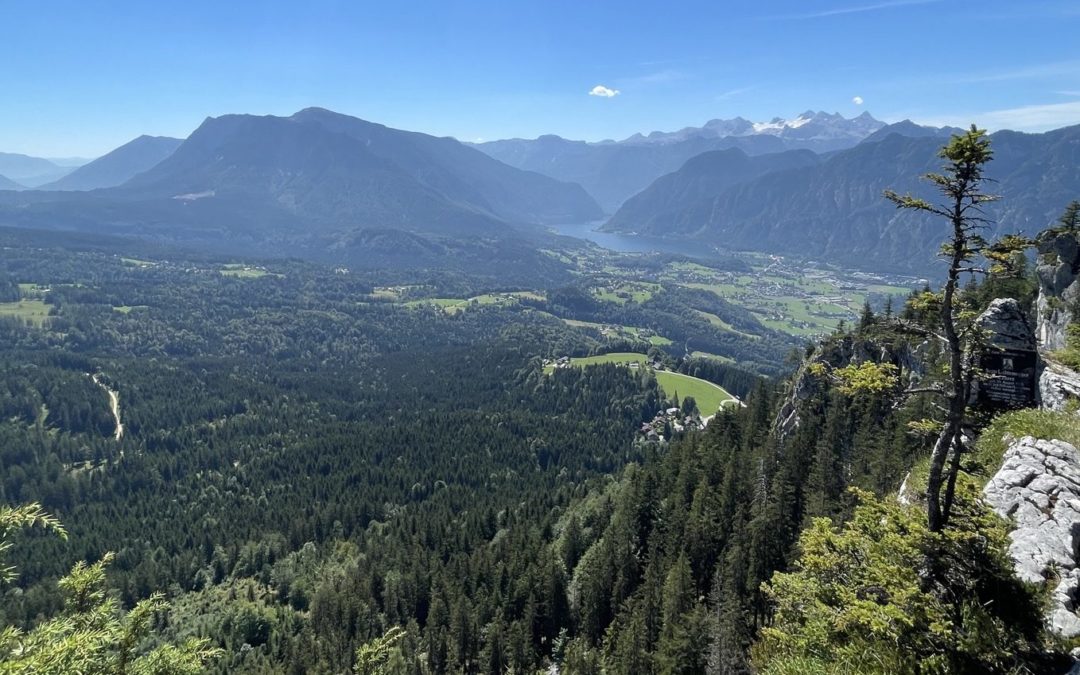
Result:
x=1039 y=117
x=855 y=9
x=603 y=92
x=732 y=93
x=659 y=77
x=1031 y=72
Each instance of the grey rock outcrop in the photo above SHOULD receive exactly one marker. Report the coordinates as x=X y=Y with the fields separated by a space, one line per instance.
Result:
x=1038 y=487
x=1058 y=269
x=1008 y=325
x=1057 y=385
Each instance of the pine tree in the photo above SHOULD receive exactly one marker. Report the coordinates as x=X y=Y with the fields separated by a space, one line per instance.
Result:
x=961 y=184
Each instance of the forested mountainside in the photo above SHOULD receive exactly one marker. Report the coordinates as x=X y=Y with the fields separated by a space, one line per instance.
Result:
x=832 y=209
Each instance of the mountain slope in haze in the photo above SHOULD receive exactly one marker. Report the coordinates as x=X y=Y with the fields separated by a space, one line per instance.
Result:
x=118 y=166
x=835 y=209
x=676 y=203
x=464 y=173
x=613 y=172
x=8 y=184
x=911 y=130
x=30 y=171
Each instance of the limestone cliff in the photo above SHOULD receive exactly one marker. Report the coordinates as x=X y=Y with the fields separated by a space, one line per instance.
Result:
x=1058 y=269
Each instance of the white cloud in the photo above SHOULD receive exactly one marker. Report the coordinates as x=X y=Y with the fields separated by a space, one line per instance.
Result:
x=603 y=92
x=857 y=100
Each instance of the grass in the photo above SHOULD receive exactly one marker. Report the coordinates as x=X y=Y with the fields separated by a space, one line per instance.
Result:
x=630 y=291
x=1042 y=424
x=614 y=357
x=33 y=310
x=709 y=396
x=127 y=309
x=714 y=357
x=985 y=458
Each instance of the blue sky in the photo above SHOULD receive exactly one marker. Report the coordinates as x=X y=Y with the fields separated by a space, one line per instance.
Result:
x=83 y=77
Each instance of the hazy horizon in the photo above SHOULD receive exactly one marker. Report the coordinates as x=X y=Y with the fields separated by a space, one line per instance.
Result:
x=90 y=79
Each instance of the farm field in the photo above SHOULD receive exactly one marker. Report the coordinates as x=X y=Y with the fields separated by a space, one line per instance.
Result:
x=33 y=310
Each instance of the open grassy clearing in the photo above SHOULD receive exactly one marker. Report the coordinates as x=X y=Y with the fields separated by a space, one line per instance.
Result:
x=630 y=291
x=709 y=396
x=33 y=310
x=128 y=309
x=721 y=324
x=714 y=357
x=453 y=305
x=625 y=332
x=242 y=271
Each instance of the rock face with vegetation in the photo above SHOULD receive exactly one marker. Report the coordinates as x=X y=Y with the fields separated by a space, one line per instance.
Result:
x=1058 y=270
x=1038 y=487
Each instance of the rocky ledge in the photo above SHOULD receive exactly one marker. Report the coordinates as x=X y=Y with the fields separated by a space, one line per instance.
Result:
x=1038 y=487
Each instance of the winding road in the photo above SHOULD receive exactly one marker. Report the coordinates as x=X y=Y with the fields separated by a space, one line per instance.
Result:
x=114 y=405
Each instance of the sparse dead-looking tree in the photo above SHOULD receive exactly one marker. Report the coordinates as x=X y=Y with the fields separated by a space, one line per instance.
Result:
x=961 y=184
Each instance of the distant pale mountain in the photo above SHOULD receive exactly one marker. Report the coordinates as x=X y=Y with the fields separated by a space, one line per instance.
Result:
x=613 y=171
x=8 y=184
x=911 y=130
x=834 y=209
x=70 y=162
x=30 y=171
x=118 y=166
x=321 y=185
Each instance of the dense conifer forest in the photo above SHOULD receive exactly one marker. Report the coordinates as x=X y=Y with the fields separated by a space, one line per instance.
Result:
x=312 y=479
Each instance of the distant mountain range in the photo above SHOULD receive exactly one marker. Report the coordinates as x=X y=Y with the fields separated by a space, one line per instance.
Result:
x=833 y=208
x=29 y=171
x=318 y=184
x=118 y=166
x=328 y=186
x=818 y=131
x=614 y=171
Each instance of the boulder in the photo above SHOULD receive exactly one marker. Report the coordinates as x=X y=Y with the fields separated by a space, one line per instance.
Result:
x=1008 y=325
x=1057 y=385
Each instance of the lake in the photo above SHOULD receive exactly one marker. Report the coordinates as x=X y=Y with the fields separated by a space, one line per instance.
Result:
x=632 y=243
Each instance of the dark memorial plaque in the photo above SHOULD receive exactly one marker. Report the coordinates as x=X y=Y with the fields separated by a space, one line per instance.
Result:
x=1009 y=379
